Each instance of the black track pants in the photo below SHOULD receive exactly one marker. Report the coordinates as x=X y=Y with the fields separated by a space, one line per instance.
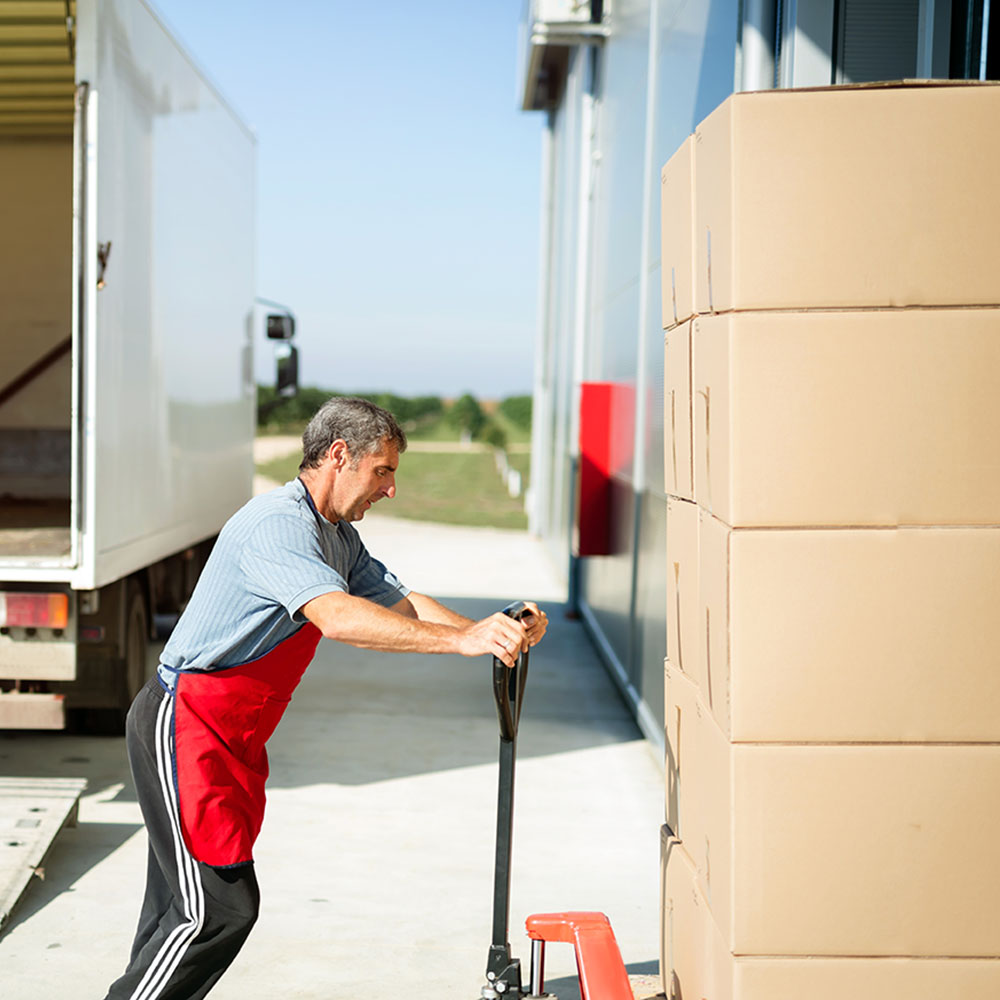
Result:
x=194 y=918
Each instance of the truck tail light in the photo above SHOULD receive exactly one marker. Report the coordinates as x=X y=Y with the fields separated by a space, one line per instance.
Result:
x=33 y=610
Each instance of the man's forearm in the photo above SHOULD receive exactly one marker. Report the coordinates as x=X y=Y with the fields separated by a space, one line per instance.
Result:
x=358 y=622
x=429 y=610
x=400 y=629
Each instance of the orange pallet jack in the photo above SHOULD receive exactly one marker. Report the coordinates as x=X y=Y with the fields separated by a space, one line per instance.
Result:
x=599 y=962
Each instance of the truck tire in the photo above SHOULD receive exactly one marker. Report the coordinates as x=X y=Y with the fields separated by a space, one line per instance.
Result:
x=127 y=674
x=136 y=644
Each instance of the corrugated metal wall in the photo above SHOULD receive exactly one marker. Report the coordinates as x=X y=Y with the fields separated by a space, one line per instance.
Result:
x=627 y=106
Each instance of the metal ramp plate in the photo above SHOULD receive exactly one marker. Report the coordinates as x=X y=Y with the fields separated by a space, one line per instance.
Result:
x=32 y=812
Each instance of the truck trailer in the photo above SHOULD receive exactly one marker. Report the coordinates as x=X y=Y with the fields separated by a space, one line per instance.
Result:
x=127 y=327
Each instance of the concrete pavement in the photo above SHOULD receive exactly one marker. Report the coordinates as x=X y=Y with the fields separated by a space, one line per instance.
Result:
x=376 y=856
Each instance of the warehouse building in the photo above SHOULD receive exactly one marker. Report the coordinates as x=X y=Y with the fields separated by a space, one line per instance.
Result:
x=622 y=84
x=767 y=394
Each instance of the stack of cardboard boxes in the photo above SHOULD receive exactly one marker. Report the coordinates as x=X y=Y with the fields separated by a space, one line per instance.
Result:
x=831 y=295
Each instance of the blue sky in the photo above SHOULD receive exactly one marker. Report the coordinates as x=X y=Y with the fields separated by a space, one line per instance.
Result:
x=398 y=183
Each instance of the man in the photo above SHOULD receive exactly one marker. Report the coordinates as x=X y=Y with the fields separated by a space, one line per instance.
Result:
x=287 y=570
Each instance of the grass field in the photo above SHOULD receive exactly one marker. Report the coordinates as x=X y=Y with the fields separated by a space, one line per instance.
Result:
x=439 y=429
x=432 y=429
x=448 y=487
x=520 y=460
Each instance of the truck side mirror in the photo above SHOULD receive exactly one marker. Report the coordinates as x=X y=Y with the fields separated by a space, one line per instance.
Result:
x=280 y=326
x=286 y=357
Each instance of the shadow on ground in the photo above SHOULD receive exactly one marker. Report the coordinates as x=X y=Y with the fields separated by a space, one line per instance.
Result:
x=568 y=987
x=76 y=850
x=75 y=853
x=40 y=754
x=358 y=717
x=363 y=716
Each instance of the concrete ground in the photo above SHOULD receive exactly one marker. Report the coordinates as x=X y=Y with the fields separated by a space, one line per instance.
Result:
x=376 y=856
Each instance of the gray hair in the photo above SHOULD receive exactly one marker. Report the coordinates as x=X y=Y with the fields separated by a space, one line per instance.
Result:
x=362 y=425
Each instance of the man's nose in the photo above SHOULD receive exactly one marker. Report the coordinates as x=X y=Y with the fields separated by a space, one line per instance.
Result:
x=390 y=490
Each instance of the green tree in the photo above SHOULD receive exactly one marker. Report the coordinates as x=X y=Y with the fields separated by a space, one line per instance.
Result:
x=426 y=407
x=493 y=434
x=276 y=414
x=466 y=415
x=517 y=409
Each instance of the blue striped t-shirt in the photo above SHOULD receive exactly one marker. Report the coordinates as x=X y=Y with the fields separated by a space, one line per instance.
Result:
x=272 y=556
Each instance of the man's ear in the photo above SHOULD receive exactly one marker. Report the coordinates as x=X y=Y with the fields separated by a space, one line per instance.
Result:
x=339 y=454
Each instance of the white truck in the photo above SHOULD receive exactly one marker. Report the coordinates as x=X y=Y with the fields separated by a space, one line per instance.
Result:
x=127 y=322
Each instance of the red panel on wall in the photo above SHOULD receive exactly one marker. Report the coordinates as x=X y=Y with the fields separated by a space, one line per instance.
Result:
x=592 y=531
x=622 y=446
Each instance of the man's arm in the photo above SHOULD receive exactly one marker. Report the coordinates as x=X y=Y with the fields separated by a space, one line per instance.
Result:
x=358 y=622
x=426 y=609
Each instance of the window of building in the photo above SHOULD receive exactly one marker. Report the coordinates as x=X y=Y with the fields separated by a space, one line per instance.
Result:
x=822 y=42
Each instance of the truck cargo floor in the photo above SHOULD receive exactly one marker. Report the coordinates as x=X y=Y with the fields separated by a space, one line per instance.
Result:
x=31 y=528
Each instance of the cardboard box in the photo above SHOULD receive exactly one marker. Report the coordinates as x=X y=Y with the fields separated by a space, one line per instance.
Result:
x=700 y=781
x=677 y=199
x=848 y=198
x=677 y=438
x=864 y=635
x=848 y=418
x=670 y=803
x=866 y=979
x=715 y=617
x=856 y=850
x=695 y=961
x=682 y=585
x=690 y=729
x=863 y=850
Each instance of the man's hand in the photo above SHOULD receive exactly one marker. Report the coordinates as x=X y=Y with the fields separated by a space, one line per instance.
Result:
x=536 y=623
x=410 y=627
x=497 y=635
x=503 y=637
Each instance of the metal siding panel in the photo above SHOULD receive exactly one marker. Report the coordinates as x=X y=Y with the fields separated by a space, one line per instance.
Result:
x=621 y=140
x=695 y=72
x=651 y=603
x=606 y=581
x=696 y=46
x=560 y=321
x=653 y=395
x=613 y=357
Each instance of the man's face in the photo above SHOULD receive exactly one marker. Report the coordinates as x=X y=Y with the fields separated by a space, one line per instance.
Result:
x=363 y=483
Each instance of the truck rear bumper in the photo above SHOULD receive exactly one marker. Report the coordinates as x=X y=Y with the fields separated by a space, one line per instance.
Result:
x=37 y=659
x=32 y=711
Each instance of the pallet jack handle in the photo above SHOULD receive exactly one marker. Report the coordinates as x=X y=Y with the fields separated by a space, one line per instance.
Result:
x=503 y=973
x=508 y=682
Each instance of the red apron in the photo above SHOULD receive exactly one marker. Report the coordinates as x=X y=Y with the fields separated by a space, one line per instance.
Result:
x=222 y=719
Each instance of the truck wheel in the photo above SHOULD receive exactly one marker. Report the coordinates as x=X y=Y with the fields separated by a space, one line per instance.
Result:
x=136 y=644
x=129 y=676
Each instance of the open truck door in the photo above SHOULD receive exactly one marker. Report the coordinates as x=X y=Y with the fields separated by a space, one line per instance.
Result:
x=126 y=375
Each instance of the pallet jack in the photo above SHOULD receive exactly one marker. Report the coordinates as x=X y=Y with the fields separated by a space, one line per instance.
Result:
x=599 y=963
